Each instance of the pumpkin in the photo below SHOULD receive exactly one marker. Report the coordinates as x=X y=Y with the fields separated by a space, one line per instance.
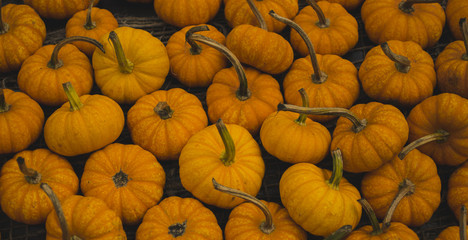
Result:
x=224 y=152
x=452 y=65
x=79 y=217
x=349 y=5
x=455 y=232
x=456 y=10
x=58 y=9
x=93 y=23
x=294 y=138
x=322 y=77
x=83 y=124
x=439 y=128
x=21 y=121
x=162 y=122
x=134 y=64
x=239 y=12
x=21 y=197
x=266 y=51
x=318 y=200
x=330 y=28
x=128 y=178
x=258 y=219
x=397 y=72
x=195 y=64
x=457 y=189
x=22 y=32
x=238 y=96
x=405 y=20
x=182 y=13
x=416 y=170
x=41 y=76
x=175 y=217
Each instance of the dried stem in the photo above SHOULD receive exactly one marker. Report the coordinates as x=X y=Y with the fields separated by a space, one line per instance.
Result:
x=407 y=6
x=464 y=30
x=440 y=136
x=341 y=233
x=195 y=49
x=58 y=209
x=462 y=223
x=402 y=63
x=32 y=176
x=163 y=110
x=258 y=15
x=305 y=103
x=323 y=21
x=4 y=106
x=89 y=24
x=337 y=173
x=56 y=63
x=125 y=65
x=3 y=25
x=406 y=187
x=376 y=229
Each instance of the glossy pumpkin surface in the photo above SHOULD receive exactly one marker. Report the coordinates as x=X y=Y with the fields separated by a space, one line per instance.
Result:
x=182 y=13
x=452 y=69
x=455 y=10
x=58 y=9
x=458 y=189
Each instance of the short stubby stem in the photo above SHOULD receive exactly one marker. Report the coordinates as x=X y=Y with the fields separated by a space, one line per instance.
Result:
x=407 y=5
x=402 y=63
x=120 y=179
x=73 y=98
x=323 y=22
x=163 y=110
x=178 y=229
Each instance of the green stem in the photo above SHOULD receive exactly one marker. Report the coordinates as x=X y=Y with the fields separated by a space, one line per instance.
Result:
x=464 y=30
x=407 y=5
x=258 y=15
x=32 y=176
x=341 y=233
x=337 y=174
x=406 y=188
x=163 y=110
x=462 y=223
x=439 y=136
x=376 y=229
x=3 y=26
x=318 y=77
x=89 y=24
x=195 y=49
x=243 y=93
x=56 y=63
x=73 y=98
x=323 y=22
x=125 y=65
x=402 y=63
x=305 y=103
x=229 y=154
x=267 y=226
x=58 y=209
x=4 y=106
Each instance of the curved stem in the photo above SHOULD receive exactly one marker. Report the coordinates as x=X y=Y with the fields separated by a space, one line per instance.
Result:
x=228 y=156
x=58 y=209
x=125 y=65
x=266 y=227
x=4 y=106
x=462 y=223
x=243 y=93
x=318 y=76
x=402 y=63
x=73 y=98
x=440 y=136
x=32 y=176
x=89 y=24
x=407 y=5
x=258 y=15
x=163 y=110
x=305 y=103
x=56 y=63
x=406 y=187
x=337 y=173
x=323 y=22
x=195 y=49
x=358 y=124
x=340 y=233
x=464 y=31
x=376 y=229
x=3 y=26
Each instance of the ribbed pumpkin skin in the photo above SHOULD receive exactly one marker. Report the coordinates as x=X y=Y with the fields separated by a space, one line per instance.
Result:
x=201 y=223
x=103 y=20
x=379 y=142
x=450 y=233
x=384 y=21
x=446 y=111
x=26 y=32
x=195 y=70
x=452 y=70
x=313 y=204
x=382 y=81
x=396 y=231
x=263 y=50
x=27 y=203
x=165 y=138
x=58 y=9
x=182 y=13
x=458 y=189
x=348 y=4
x=98 y=123
x=44 y=84
x=245 y=219
x=88 y=218
x=239 y=12
x=341 y=36
x=203 y=151
x=341 y=89
x=144 y=189
x=455 y=10
x=22 y=124
x=380 y=187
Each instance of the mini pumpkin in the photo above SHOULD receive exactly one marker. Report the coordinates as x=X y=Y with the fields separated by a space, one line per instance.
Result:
x=58 y=9
x=455 y=232
x=22 y=32
x=456 y=10
x=349 y=5
x=457 y=195
x=182 y=13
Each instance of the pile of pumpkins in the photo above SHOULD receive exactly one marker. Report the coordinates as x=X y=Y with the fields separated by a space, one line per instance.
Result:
x=221 y=164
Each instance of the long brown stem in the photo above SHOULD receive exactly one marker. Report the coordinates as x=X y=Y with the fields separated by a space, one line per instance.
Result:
x=464 y=31
x=462 y=223
x=323 y=22
x=4 y=106
x=402 y=63
x=341 y=233
x=230 y=149
x=58 y=209
x=125 y=65
x=243 y=93
x=318 y=76
x=376 y=229
x=32 y=176
x=406 y=187
x=266 y=227
x=163 y=110
x=305 y=103
x=195 y=49
x=73 y=98
x=89 y=24
x=407 y=5
x=337 y=173
x=258 y=15
x=56 y=63
x=440 y=135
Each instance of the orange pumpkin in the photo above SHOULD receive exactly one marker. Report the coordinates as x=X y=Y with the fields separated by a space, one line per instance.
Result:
x=350 y=5
x=22 y=32
x=21 y=197
x=21 y=121
x=58 y=9
x=457 y=195
x=455 y=232
x=182 y=13
x=456 y=10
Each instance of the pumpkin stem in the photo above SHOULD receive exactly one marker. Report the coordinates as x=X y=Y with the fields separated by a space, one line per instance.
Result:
x=58 y=209
x=405 y=188
x=407 y=5
x=178 y=229
x=56 y=63
x=89 y=24
x=402 y=63
x=73 y=98
x=323 y=22
x=267 y=226
x=305 y=103
x=243 y=93
x=464 y=30
x=337 y=173
x=32 y=176
x=358 y=124
x=163 y=110
x=227 y=157
x=125 y=65
x=462 y=223
x=4 y=106
x=120 y=179
x=340 y=233
x=439 y=136
x=3 y=25
x=195 y=49
x=376 y=229
x=258 y=15
x=318 y=77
